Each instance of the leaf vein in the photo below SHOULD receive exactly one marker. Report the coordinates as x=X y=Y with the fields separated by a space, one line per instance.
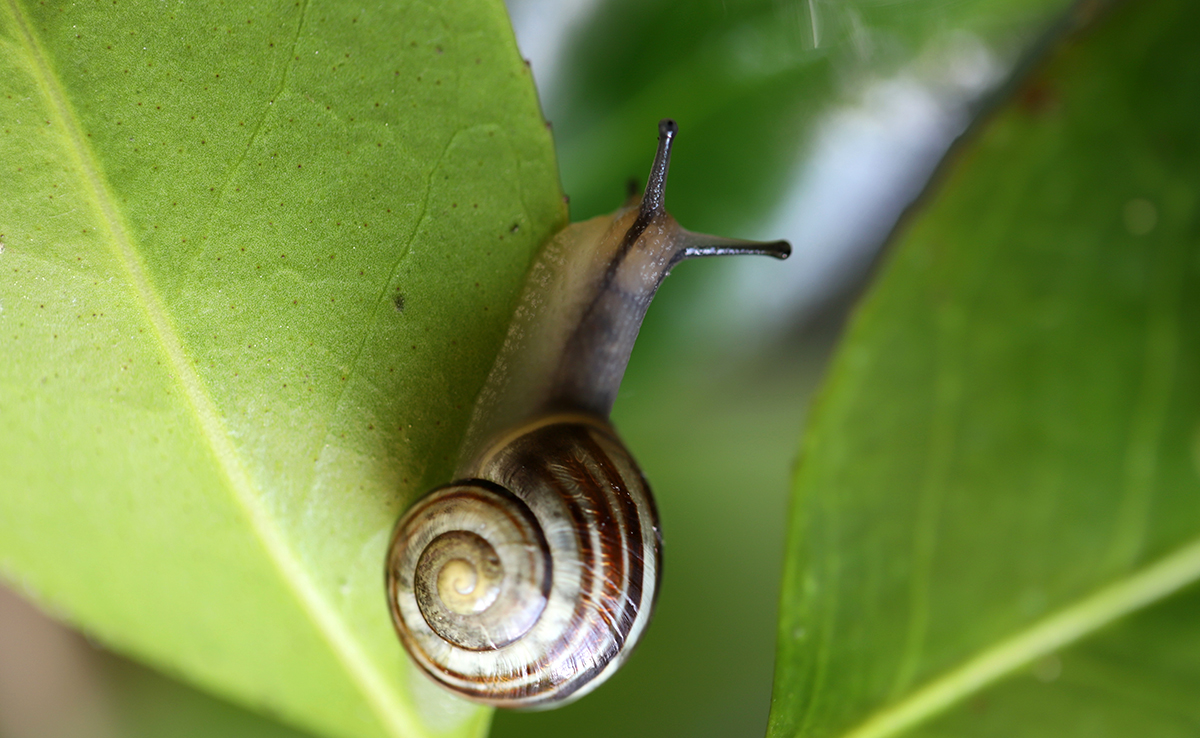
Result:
x=380 y=298
x=266 y=111
x=1070 y=624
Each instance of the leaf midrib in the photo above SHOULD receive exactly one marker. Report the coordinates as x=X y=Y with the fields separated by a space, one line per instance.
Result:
x=1042 y=638
x=392 y=715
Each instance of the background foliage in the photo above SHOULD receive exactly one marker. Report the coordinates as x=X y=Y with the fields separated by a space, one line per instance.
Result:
x=1033 y=294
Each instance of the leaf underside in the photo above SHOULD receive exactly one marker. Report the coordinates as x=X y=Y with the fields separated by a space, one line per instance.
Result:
x=996 y=528
x=227 y=236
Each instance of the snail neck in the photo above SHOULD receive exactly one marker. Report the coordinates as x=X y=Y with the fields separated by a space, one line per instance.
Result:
x=582 y=307
x=634 y=257
x=574 y=326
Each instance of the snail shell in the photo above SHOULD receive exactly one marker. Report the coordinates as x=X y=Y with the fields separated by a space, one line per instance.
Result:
x=527 y=582
x=498 y=617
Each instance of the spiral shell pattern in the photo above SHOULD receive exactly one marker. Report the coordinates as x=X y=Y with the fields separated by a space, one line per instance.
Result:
x=529 y=586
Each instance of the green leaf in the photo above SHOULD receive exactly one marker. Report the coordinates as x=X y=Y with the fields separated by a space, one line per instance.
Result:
x=995 y=528
x=257 y=261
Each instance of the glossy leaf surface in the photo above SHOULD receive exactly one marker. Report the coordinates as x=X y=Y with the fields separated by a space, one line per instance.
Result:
x=257 y=260
x=996 y=523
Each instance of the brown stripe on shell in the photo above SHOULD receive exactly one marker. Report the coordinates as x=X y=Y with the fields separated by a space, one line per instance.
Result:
x=611 y=499
x=589 y=492
x=596 y=588
x=632 y=540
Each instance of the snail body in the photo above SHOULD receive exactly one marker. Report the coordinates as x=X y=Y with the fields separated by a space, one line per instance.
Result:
x=527 y=582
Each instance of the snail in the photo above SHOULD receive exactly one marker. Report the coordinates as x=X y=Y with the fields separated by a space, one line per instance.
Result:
x=527 y=582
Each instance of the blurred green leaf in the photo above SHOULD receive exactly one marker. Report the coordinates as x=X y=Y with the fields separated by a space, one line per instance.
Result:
x=748 y=81
x=258 y=260
x=997 y=521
